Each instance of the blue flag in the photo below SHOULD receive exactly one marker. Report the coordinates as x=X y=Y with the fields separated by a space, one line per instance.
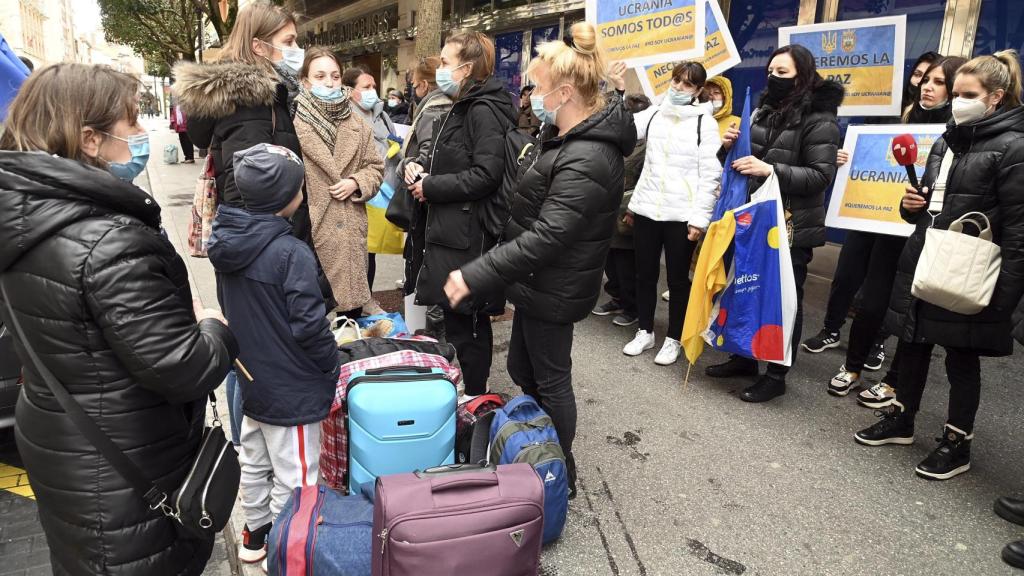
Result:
x=12 y=73
x=734 y=184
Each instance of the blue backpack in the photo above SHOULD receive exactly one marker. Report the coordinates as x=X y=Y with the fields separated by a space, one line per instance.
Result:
x=522 y=432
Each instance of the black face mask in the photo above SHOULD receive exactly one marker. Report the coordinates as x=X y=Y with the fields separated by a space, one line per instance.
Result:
x=779 y=88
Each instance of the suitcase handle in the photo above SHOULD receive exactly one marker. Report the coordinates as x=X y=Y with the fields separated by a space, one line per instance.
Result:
x=456 y=469
x=400 y=369
x=454 y=483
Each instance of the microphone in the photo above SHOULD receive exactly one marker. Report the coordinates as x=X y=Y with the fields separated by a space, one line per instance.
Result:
x=904 y=149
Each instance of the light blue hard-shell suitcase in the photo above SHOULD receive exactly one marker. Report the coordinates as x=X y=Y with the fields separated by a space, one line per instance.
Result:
x=400 y=419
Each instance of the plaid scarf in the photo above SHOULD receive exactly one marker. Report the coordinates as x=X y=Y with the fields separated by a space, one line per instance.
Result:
x=323 y=116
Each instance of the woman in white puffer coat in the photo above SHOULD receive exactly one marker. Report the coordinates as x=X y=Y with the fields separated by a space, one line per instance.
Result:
x=672 y=203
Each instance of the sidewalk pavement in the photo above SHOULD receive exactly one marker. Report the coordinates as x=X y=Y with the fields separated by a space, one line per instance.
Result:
x=691 y=481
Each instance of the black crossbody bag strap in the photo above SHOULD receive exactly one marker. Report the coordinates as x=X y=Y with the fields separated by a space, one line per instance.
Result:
x=153 y=496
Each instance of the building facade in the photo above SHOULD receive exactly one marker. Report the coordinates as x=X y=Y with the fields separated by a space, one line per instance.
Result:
x=41 y=30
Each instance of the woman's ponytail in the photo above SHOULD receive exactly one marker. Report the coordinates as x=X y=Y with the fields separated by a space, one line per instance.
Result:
x=1011 y=60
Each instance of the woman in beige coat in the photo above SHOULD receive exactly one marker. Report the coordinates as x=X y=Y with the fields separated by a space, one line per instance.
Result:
x=343 y=171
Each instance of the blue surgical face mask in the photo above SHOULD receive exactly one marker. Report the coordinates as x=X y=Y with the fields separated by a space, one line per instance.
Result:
x=292 y=56
x=677 y=98
x=445 y=82
x=139 y=147
x=327 y=94
x=368 y=99
x=542 y=113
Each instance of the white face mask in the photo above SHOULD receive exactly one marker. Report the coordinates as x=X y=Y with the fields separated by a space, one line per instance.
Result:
x=966 y=110
x=717 y=105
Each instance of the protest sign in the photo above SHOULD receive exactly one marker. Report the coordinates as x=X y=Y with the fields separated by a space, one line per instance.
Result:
x=643 y=32
x=870 y=187
x=865 y=56
x=720 y=54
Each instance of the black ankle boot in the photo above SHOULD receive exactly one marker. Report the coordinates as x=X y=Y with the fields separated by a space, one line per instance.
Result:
x=1010 y=509
x=951 y=458
x=764 y=390
x=1013 y=554
x=734 y=366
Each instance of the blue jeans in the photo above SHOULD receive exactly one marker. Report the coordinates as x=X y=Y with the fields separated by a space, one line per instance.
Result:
x=234 y=394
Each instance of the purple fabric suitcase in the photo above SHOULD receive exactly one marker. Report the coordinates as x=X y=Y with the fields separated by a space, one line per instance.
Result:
x=459 y=519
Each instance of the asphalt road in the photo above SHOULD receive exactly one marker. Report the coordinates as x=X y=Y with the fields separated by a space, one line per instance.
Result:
x=690 y=481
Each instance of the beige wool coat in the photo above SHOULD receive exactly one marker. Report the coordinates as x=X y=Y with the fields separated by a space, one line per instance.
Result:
x=339 y=227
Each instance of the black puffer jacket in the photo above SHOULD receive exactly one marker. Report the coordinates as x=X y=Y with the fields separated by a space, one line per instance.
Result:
x=466 y=168
x=802 y=146
x=105 y=302
x=563 y=215
x=229 y=108
x=987 y=176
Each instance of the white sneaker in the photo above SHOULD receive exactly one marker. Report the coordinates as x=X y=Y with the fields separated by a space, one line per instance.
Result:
x=643 y=341
x=878 y=396
x=664 y=295
x=843 y=383
x=669 y=352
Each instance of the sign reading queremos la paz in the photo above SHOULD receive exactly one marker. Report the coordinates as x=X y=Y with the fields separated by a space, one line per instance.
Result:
x=870 y=187
x=865 y=56
x=363 y=27
x=719 y=55
x=648 y=31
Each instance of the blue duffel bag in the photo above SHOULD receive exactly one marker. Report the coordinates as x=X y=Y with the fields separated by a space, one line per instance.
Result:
x=521 y=432
x=319 y=532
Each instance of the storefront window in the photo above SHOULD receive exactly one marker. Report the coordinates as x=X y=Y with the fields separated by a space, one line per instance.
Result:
x=755 y=28
x=924 y=21
x=509 y=54
x=1001 y=26
x=542 y=35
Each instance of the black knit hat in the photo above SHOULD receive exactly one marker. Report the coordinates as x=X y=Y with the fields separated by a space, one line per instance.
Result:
x=268 y=177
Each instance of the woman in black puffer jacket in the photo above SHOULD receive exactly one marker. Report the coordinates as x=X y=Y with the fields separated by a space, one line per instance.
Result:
x=466 y=166
x=104 y=300
x=987 y=175
x=794 y=132
x=563 y=215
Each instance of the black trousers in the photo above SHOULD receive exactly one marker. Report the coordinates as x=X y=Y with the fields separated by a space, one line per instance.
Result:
x=620 y=268
x=540 y=362
x=186 y=146
x=874 y=299
x=851 y=269
x=963 y=368
x=801 y=259
x=650 y=237
x=474 y=342
x=371 y=269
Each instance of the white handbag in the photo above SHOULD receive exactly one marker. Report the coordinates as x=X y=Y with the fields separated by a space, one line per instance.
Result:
x=956 y=271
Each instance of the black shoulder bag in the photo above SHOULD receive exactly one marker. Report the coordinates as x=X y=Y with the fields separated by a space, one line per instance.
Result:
x=202 y=505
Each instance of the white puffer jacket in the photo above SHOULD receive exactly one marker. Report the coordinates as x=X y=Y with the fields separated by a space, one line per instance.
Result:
x=680 y=180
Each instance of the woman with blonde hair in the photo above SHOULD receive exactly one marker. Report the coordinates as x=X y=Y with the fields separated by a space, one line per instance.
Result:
x=100 y=295
x=343 y=171
x=985 y=146
x=456 y=182
x=563 y=214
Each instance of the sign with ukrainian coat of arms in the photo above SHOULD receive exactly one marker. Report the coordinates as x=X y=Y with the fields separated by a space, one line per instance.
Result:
x=865 y=56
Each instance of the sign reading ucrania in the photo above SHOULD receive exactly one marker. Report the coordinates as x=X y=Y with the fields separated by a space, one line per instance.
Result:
x=870 y=187
x=648 y=31
x=865 y=56
x=720 y=54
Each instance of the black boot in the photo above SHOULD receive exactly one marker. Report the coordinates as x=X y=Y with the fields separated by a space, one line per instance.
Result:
x=1013 y=554
x=1010 y=509
x=764 y=390
x=951 y=458
x=734 y=366
x=895 y=427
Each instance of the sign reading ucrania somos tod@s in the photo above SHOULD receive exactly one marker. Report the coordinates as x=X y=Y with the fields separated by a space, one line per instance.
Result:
x=648 y=31
x=870 y=187
x=720 y=54
x=865 y=56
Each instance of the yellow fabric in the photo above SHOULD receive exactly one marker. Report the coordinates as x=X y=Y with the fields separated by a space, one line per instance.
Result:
x=382 y=236
x=724 y=116
x=709 y=279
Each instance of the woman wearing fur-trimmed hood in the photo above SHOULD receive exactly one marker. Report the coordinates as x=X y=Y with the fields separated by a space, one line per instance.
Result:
x=246 y=98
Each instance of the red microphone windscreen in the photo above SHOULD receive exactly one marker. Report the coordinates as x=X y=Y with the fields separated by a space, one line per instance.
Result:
x=904 y=149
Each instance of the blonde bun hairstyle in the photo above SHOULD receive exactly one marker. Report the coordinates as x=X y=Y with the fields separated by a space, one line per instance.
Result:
x=1000 y=71
x=577 y=60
